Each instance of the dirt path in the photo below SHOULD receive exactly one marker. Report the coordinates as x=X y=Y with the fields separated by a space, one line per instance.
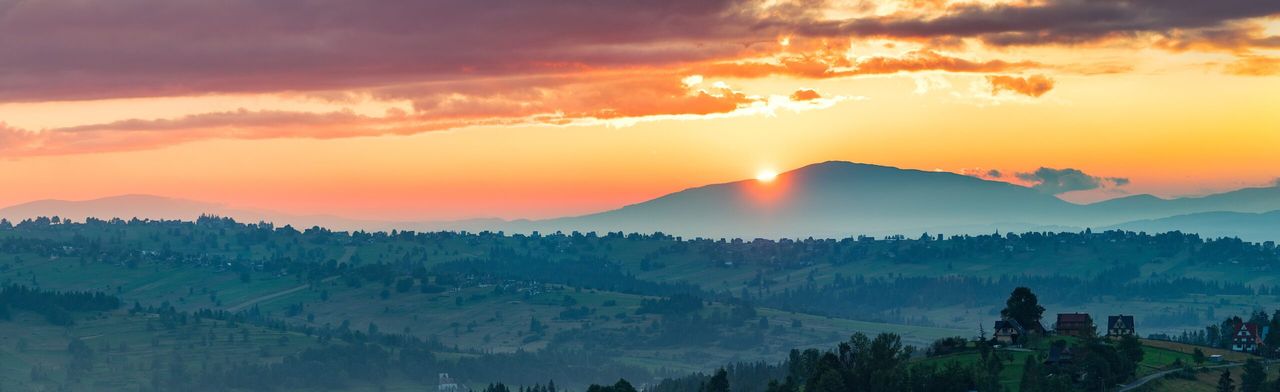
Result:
x=1142 y=381
x=346 y=257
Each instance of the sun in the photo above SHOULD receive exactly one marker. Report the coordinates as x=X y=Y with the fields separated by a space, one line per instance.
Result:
x=766 y=175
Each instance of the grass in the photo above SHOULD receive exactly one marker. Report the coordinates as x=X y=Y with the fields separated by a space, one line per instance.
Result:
x=500 y=323
x=1205 y=381
x=128 y=349
x=1157 y=356
x=1187 y=350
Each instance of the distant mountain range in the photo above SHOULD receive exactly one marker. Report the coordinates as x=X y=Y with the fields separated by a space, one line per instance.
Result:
x=1248 y=226
x=837 y=199
x=159 y=207
x=830 y=199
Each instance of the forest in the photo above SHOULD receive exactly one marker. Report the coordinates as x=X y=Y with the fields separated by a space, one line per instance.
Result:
x=216 y=304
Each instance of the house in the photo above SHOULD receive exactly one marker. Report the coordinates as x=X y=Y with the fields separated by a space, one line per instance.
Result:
x=1247 y=338
x=447 y=384
x=1075 y=324
x=1120 y=325
x=1008 y=331
x=1059 y=354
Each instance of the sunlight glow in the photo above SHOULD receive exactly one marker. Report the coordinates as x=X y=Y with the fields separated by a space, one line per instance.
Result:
x=766 y=175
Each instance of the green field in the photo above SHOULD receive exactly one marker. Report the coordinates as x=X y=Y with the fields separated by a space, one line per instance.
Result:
x=320 y=280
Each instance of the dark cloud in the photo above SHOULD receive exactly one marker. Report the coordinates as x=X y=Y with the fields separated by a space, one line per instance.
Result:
x=91 y=49
x=86 y=49
x=993 y=173
x=1056 y=181
x=1064 y=21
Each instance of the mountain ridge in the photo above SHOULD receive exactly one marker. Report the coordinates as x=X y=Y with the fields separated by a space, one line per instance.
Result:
x=833 y=199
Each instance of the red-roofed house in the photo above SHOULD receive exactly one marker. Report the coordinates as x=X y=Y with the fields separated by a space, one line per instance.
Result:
x=1247 y=338
x=1074 y=324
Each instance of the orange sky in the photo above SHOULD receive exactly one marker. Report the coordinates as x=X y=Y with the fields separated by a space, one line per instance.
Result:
x=591 y=119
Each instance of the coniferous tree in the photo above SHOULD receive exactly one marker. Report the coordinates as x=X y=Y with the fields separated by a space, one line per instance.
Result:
x=718 y=382
x=1225 y=383
x=1031 y=377
x=1254 y=377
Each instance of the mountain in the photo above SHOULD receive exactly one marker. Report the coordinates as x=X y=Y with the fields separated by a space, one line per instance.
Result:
x=167 y=208
x=125 y=207
x=1255 y=200
x=1247 y=226
x=837 y=199
x=830 y=199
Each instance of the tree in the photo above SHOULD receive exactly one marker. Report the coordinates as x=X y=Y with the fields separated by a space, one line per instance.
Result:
x=1197 y=356
x=1023 y=307
x=623 y=386
x=718 y=382
x=535 y=326
x=403 y=285
x=1031 y=378
x=1254 y=376
x=828 y=381
x=1272 y=339
x=1225 y=384
x=1130 y=348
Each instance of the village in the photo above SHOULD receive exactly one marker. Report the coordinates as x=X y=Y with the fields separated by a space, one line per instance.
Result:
x=1246 y=337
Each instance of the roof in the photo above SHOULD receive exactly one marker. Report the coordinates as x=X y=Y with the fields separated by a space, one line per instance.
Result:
x=1252 y=329
x=1058 y=353
x=1124 y=322
x=1035 y=326
x=1074 y=318
x=1009 y=324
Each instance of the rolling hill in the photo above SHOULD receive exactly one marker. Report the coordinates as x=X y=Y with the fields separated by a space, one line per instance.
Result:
x=829 y=199
x=1245 y=225
x=837 y=199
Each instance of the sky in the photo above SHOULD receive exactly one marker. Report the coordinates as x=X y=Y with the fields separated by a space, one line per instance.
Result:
x=434 y=110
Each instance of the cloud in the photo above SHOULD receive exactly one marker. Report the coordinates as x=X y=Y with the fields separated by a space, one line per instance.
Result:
x=547 y=101
x=1031 y=86
x=1069 y=22
x=833 y=65
x=96 y=49
x=1235 y=38
x=462 y=63
x=805 y=95
x=77 y=49
x=1254 y=66
x=1057 y=181
x=986 y=174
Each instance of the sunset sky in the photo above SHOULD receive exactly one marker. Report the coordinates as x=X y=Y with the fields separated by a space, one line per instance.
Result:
x=408 y=109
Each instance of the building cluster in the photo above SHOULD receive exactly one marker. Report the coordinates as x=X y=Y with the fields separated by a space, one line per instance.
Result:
x=1246 y=337
x=1010 y=331
x=448 y=384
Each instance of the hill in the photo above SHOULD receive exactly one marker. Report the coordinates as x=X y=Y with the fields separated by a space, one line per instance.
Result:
x=836 y=199
x=825 y=200
x=839 y=199
x=124 y=207
x=1247 y=226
